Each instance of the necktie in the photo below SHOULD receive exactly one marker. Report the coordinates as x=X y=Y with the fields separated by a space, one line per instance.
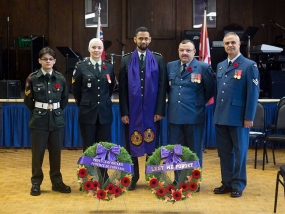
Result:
x=183 y=69
x=230 y=62
x=141 y=59
x=97 y=67
x=47 y=76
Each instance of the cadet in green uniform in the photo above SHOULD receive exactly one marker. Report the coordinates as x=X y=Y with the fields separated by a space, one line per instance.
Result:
x=46 y=95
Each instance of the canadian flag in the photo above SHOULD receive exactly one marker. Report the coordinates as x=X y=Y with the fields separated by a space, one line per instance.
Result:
x=99 y=35
x=204 y=47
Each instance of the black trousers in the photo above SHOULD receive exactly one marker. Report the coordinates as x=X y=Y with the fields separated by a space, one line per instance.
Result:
x=52 y=140
x=94 y=133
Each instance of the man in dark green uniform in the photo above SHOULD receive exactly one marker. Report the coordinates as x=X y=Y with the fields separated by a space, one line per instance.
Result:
x=46 y=95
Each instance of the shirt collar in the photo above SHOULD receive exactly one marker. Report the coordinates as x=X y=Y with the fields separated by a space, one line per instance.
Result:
x=44 y=72
x=94 y=62
x=144 y=54
x=186 y=64
x=234 y=58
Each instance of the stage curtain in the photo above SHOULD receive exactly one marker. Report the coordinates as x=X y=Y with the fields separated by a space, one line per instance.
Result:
x=15 y=131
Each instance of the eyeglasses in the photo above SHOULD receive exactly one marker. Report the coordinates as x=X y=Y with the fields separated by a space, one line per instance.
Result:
x=47 y=59
x=187 y=50
x=145 y=39
x=233 y=43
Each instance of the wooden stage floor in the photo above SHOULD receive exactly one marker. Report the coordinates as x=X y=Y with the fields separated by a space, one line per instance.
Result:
x=15 y=186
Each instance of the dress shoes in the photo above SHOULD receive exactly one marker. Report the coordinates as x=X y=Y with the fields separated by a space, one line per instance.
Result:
x=132 y=186
x=236 y=193
x=61 y=187
x=222 y=189
x=35 y=190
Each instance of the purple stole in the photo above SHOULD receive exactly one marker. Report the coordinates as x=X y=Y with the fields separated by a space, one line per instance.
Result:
x=142 y=129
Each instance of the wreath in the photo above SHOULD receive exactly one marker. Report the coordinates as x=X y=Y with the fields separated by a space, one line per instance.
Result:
x=182 y=161
x=112 y=157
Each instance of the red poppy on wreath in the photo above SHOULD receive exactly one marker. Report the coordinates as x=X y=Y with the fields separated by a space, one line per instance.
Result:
x=169 y=188
x=101 y=194
x=235 y=64
x=57 y=86
x=95 y=185
x=160 y=191
x=196 y=173
x=153 y=182
x=110 y=188
x=183 y=186
x=190 y=69
x=82 y=173
x=193 y=186
x=177 y=195
x=88 y=185
x=125 y=181
x=117 y=191
x=104 y=67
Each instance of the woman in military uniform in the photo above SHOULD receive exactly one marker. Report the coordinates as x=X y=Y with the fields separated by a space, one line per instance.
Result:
x=92 y=88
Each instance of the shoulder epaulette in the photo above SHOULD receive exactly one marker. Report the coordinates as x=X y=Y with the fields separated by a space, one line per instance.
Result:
x=127 y=54
x=34 y=73
x=81 y=61
x=57 y=72
x=107 y=61
x=156 y=53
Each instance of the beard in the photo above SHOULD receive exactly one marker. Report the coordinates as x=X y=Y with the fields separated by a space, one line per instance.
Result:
x=143 y=47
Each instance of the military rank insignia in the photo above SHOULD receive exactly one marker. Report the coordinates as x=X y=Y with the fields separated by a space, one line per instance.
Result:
x=136 y=138
x=27 y=92
x=255 y=81
x=148 y=135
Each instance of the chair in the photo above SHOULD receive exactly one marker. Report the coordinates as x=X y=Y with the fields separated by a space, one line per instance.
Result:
x=275 y=137
x=281 y=173
x=280 y=103
x=259 y=124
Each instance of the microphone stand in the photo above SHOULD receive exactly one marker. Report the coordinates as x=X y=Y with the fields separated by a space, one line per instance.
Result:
x=283 y=28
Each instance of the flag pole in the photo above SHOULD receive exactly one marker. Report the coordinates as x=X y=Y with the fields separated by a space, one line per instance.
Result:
x=99 y=22
x=204 y=33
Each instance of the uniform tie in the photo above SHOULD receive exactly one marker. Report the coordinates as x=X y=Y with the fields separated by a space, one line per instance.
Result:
x=47 y=76
x=141 y=59
x=230 y=62
x=97 y=67
x=183 y=69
